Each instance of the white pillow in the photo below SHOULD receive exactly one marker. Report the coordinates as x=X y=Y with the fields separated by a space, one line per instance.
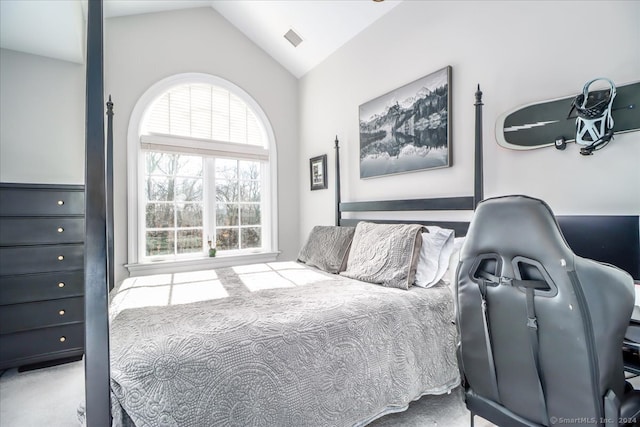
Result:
x=433 y=261
x=450 y=275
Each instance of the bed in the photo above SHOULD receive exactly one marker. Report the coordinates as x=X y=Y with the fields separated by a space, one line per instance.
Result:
x=361 y=325
x=280 y=344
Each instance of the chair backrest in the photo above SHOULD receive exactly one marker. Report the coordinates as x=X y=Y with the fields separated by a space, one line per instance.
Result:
x=550 y=342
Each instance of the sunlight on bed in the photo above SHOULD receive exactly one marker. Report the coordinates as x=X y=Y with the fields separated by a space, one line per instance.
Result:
x=188 y=287
x=197 y=291
x=257 y=277
x=286 y=265
x=194 y=276
x=168 y=289
x=267 y=280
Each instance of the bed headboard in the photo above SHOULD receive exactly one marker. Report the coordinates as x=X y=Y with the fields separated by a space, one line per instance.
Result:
x=613 y=239
x=438 y=204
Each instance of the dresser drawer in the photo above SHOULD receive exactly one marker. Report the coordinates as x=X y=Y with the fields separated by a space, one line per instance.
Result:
x=26 y=347
x=34 y=315
x=33 y=231
x=40 y=201
x=39 y=287
x=40 y=259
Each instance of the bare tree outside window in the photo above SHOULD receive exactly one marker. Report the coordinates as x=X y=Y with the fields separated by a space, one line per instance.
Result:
x=173 y=214
x=174 y=211
x=238 y=197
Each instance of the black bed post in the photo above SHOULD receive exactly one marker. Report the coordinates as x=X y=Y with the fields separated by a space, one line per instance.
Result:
x=96 y=335
x=109 y=171
x=478 y=192
x=338 y=216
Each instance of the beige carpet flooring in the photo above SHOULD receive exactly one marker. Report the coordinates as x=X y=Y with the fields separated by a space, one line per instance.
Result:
x=45 y=397
x=50 y=397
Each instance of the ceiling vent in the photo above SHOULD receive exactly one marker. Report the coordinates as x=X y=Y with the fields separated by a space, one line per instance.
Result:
x=293 y=38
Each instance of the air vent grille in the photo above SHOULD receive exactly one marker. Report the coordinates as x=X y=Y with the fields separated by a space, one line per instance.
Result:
x=293 y=38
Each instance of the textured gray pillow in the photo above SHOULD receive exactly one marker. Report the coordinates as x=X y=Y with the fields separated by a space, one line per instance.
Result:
x=327 y=247
x=384 y=254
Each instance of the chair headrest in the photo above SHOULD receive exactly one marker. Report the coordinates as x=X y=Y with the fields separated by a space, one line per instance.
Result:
x=516 y=226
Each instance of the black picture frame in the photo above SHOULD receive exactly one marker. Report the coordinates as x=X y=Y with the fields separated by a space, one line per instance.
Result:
x=407 y=129
x=318 y=172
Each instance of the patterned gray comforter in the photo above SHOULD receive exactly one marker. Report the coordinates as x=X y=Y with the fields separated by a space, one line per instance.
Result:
x=275 y=345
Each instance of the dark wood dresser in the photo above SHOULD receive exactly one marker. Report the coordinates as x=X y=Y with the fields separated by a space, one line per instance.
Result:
x=41 y=273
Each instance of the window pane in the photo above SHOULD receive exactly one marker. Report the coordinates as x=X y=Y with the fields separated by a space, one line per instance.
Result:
x=249 y=170
x=251 y=237
x=188 y=190
x=160 y=242
x=159 y=189
x=161 y=163
x=250 y=214
x=226 y=191
x=159 y=215
x=226 y=169
x=226 y=214
x=189 y=214
x=189 y=241
x=250 y=191
x=227 y=238
x=189 y=166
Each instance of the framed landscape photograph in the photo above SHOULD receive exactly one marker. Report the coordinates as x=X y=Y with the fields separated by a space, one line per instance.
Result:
x=407 y=129
x=318 y=170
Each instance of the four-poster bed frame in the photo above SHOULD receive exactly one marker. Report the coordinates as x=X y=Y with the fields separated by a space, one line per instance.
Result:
x=97 y=373
x=99 y=260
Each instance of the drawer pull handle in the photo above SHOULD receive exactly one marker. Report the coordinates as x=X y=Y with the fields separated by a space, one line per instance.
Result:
x=60 y=202
x=63 y=339
x=60 y=257
x=60 y=229
x=61 y=312
x=61 y=285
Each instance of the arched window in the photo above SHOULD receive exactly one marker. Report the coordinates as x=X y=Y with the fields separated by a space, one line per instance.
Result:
x=205 y=171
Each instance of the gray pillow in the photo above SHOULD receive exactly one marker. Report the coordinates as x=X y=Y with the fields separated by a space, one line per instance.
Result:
x=385 y=254
x=327 y=247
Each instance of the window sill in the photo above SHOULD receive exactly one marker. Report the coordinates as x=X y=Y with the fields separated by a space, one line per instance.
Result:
x=163 y=267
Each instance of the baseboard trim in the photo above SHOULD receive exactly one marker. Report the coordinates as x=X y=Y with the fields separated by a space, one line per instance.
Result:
x=49 y=363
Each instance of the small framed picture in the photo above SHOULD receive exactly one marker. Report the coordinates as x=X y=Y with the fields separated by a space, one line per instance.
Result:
x=318 y=170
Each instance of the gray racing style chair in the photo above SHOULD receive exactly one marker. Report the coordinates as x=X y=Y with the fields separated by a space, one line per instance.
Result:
x=541 y=328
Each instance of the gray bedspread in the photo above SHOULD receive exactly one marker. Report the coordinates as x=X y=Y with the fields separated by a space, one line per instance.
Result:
x=275 y=345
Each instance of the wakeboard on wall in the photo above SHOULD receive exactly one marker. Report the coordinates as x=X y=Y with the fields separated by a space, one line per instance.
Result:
x=553 y=122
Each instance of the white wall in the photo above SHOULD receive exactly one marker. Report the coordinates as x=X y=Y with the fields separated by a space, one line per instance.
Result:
x=144 y=49
x=41 y=119
x=519 y=52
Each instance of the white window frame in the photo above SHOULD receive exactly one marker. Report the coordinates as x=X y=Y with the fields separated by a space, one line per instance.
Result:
x=135 y=173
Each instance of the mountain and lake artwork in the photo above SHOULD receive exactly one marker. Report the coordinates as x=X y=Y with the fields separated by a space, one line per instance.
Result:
x=408 y=128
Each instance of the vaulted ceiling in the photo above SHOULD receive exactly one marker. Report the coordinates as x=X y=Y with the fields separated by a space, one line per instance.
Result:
x=56 y=28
